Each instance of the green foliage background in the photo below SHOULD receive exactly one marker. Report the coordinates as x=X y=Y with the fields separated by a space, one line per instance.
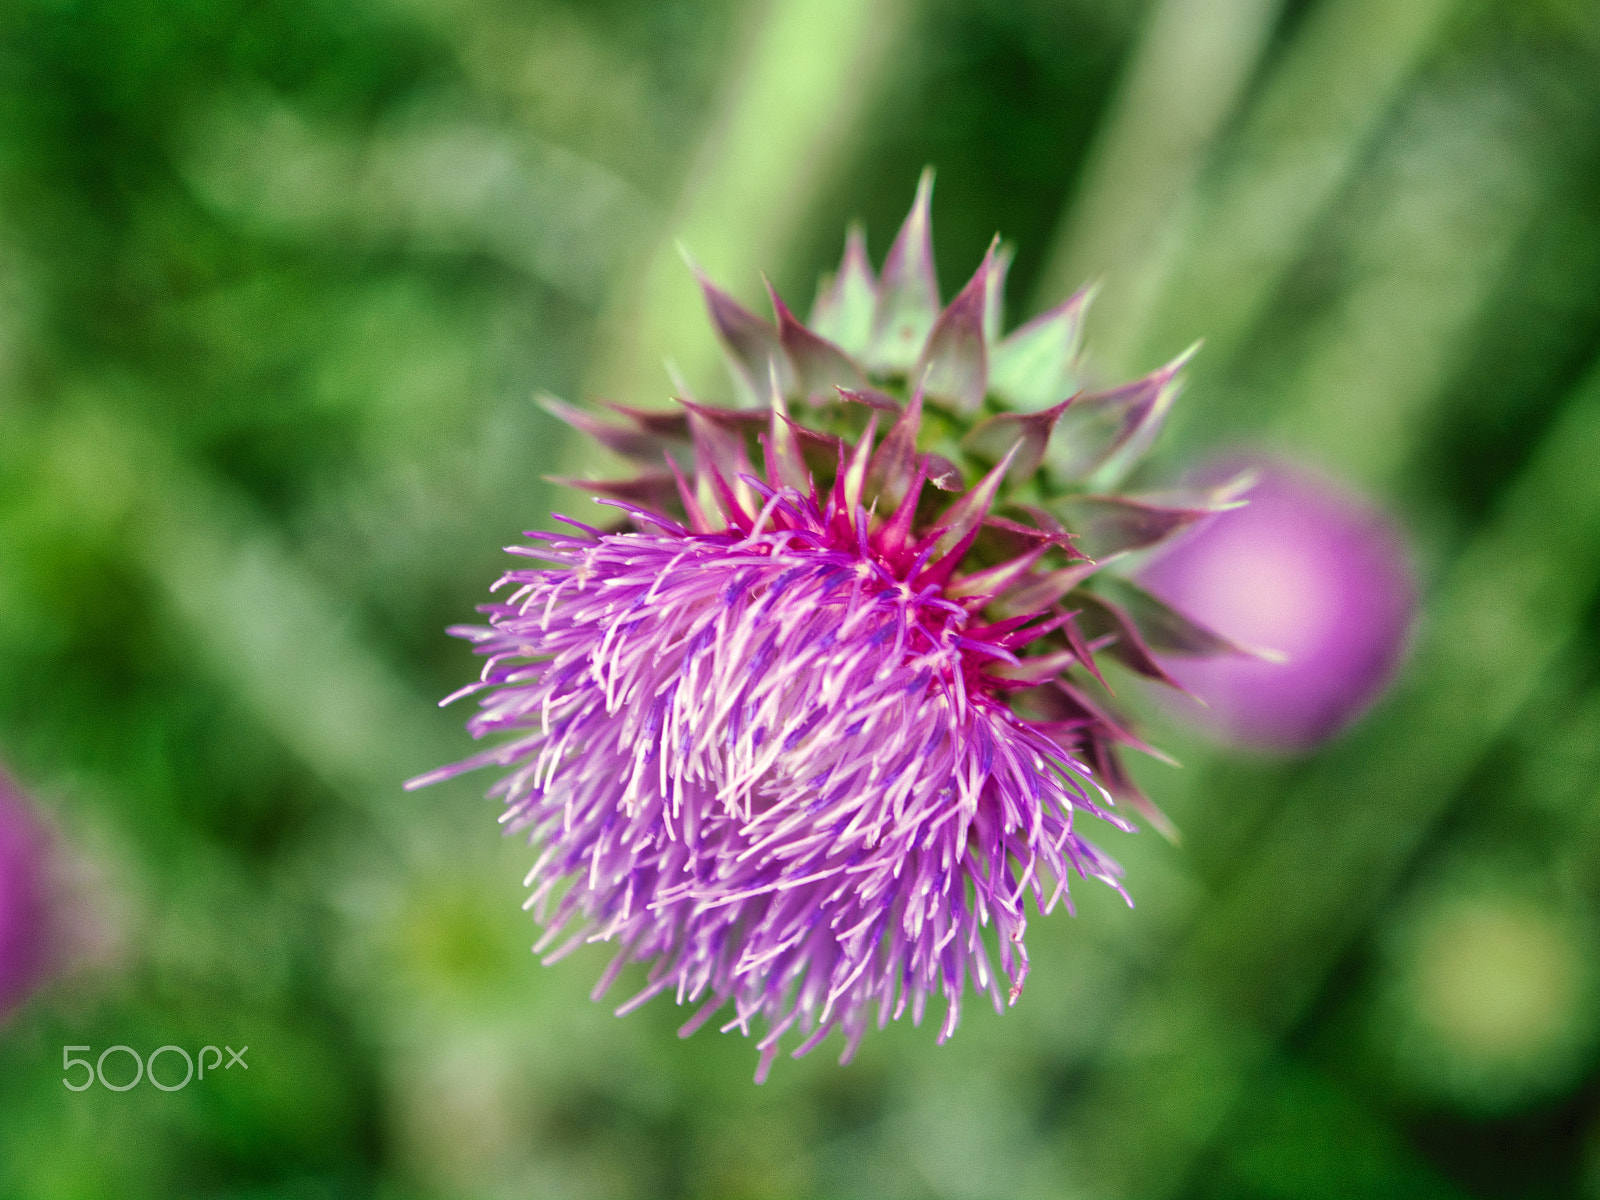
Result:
x=279 y=280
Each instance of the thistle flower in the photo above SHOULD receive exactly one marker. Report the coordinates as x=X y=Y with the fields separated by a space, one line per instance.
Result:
x=1310 y=570
x=805 y=736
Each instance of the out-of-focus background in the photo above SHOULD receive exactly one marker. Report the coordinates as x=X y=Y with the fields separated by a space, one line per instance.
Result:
x=279 y=282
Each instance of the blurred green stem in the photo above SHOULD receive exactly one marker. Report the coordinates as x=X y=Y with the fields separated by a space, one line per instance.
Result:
x=1182 y=82
x=1463 y=190
x=783 y=123
x=264 y=628
x=1320 y=107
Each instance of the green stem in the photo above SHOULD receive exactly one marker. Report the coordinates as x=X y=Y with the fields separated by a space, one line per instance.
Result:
x=783 y=123
x=1182 y=82
x=1320 y=107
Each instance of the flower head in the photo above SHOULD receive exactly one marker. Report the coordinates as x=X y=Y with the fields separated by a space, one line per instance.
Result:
x=1309 y=570
x=805 y=736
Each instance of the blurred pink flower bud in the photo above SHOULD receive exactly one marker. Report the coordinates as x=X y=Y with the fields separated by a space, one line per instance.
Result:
x=1310 y=570
x=22 y=898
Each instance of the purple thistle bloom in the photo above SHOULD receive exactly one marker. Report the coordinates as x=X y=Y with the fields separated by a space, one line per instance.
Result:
x=22 y=899
x=1306 y=569
x=806 y=739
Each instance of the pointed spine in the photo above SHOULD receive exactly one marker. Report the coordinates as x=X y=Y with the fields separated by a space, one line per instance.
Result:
x=751 y=343
x=1037 y=365
x=953 y=533
x=1116 y=426
x=847 y=303
x=896 y=459
x=908 y=292
x=629 y=443
x=989 y=437
x=784 y=462
x=955 y=364
x=819 y=365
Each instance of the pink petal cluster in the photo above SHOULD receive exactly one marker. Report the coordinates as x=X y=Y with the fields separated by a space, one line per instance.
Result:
x=770 y=762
